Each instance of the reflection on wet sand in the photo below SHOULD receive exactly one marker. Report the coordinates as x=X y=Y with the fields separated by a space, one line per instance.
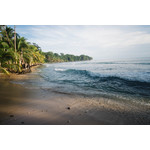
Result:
x=19 y=105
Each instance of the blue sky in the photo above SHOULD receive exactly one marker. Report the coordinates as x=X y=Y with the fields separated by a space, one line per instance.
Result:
x=100 y=42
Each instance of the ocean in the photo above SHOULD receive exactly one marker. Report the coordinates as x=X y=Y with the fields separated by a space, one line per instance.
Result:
x=125 y=80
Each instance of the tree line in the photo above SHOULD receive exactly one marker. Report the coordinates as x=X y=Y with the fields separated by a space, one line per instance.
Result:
x=54 y=57
x=17 y=55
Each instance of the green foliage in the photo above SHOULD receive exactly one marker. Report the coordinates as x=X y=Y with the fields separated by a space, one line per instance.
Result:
x=54 y=57
x=26 y=54
x=4 y=71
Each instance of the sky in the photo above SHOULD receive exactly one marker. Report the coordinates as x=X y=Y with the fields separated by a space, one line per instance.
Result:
x=100 y=42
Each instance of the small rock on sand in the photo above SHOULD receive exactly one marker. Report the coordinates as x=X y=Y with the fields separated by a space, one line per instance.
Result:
x=68 y=108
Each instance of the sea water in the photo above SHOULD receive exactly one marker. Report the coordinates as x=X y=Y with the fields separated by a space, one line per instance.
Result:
x=124 y=79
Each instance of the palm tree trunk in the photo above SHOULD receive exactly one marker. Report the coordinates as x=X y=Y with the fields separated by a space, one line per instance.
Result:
x=15 y=37
x=15 y=40
x=21 y=58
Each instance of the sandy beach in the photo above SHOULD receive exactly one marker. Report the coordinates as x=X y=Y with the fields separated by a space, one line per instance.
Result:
x=37 y=106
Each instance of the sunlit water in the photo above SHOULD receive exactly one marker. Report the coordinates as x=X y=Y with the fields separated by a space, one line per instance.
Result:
x=127 y=80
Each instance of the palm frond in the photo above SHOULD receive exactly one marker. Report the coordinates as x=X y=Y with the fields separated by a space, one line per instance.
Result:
x=4 y=71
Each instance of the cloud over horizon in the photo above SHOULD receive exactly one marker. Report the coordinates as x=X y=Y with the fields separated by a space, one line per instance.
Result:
x=96 y=41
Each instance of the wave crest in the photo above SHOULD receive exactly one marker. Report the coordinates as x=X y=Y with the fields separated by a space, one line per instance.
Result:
x=106 y=78
x=59 y=69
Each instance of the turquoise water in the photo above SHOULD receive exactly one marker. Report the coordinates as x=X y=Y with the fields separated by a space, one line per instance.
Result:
x=128 y=80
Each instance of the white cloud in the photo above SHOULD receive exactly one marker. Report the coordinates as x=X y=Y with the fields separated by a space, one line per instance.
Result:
x=91 y=40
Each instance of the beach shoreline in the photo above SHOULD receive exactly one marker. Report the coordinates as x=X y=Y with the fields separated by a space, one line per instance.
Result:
x=37 y=106
x=23 y=106
x=16 y=76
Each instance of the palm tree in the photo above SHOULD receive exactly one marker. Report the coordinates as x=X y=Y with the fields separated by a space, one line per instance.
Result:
x=7 y=34
x=9 y=58
x=16 y=53
x=21 y=46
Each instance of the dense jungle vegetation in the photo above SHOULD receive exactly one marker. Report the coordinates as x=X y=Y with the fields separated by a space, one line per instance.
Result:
x=17 y=55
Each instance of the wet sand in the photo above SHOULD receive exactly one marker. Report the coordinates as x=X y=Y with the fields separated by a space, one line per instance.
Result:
x=36 y=106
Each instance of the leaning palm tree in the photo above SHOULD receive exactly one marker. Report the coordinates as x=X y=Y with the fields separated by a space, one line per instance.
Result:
x=21 y=46
x=4 y=71
x=16 y=53
x=9 y=58
x=7 y=34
